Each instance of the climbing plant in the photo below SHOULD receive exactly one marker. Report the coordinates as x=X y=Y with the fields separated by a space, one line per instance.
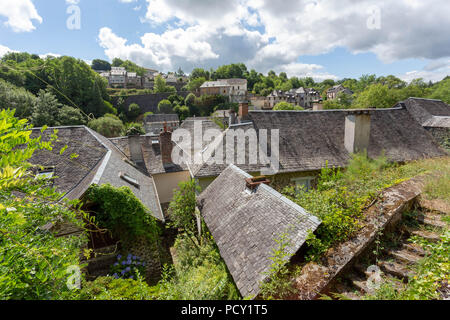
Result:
x=120 y=211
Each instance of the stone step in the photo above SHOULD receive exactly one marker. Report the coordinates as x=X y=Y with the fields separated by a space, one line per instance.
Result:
x=101 y=262
x=345 y=291
x=431 y=220
x=438 y=206
x=414 y=248
x=404 y=256
x=428 y=235
x=359 y=283
x=395 y=269
x=362 y=270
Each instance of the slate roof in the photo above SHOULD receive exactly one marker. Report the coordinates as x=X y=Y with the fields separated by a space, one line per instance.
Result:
x=162 y=118
x=309 y=139
x=99 y=162
x=246 y=224
x=151 y=153
x=428 y=112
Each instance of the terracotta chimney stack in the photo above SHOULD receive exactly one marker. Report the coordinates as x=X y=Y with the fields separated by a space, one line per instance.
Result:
x=166 y=146
x=243 y=110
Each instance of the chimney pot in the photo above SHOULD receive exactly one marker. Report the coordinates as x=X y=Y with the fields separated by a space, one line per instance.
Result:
x=243 y=111
x=166 y=146
x=357 y=132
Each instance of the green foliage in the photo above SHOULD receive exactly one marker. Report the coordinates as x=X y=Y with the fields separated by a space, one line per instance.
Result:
x=107 y=126
x=165 y=106
x=431 y=274
x=182 y=207
x=70 y=116
x=161 y=86
x=109 y=288
x=100 y=65
x=33 y=263
x=16 y=98
x=133 y=111
x=441 y=91
x=134 y=129
x=122 y=213
x=283 y=105
x=194 y=84
x=200 y=274
x=376 y=96
x=278 y=284
x=46 y=110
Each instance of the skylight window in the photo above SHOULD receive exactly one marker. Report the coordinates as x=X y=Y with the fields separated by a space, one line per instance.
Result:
x=45 y=173
x=129 y=179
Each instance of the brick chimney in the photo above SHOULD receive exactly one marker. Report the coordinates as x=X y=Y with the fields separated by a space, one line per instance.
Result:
x=253 y=183
x=166 y=146
x=243 y=111
x=357 y=131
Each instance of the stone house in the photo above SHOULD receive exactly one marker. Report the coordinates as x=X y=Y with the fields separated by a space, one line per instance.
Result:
x=155 y=123
x=246 y=218
x=333 y=92
x=234 y=89
x=305 y=147
x=433 y=115
x=304 y=98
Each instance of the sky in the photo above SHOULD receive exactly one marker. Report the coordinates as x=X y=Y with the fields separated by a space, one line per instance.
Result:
x=323 y=39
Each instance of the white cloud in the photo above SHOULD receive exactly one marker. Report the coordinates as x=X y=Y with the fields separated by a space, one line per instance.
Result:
x=267 y=34
x=46 y=55
x=160 y=50
x=434 y=71
x=4 y=50
x=20 y=14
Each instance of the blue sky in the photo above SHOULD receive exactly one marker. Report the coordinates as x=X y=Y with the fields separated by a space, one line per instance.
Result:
x=322 y=39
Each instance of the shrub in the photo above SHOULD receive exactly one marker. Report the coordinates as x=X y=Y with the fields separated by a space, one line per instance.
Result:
x=122 y=213
x=165 y=106
x=109 y=126
x=286 y=106
x=134 y=111
x=108 y=288
x=134 y=128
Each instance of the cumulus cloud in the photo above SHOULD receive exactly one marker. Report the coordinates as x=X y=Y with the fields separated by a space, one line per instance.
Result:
x=20 y=15
x=4 y=50
x=274 y=35
x=433 y=71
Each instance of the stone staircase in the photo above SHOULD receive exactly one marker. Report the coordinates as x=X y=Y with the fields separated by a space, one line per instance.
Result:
x=394 y=263
x=100 y=262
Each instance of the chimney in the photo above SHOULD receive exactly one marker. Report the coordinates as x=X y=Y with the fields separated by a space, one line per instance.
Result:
x=357 y=131
x=134 y=143
x=232 y=117
x=165 y=144
x=243 y=111
x=253 y=183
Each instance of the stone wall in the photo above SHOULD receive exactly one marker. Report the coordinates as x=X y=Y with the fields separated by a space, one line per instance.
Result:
x=147 y=102
x=441 y=135
x=317 y=278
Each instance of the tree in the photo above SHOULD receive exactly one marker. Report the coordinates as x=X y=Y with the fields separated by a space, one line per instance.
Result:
x=134 y=128
x=16 y=98
x=165 y=106
x=441 y=91
x=161 y=86
x=283 y=105
x=34 y=263
x=70 y=116
x=46 y=110
x=182 y=111
x=195 y=84
x=376 y=96
x=182 y=207
x=108 y=126
x=100 y=65
x=134 y=111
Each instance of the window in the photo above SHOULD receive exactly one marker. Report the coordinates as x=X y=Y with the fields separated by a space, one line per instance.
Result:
x=303 y=182
x=45 y=173
x=129 y=179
